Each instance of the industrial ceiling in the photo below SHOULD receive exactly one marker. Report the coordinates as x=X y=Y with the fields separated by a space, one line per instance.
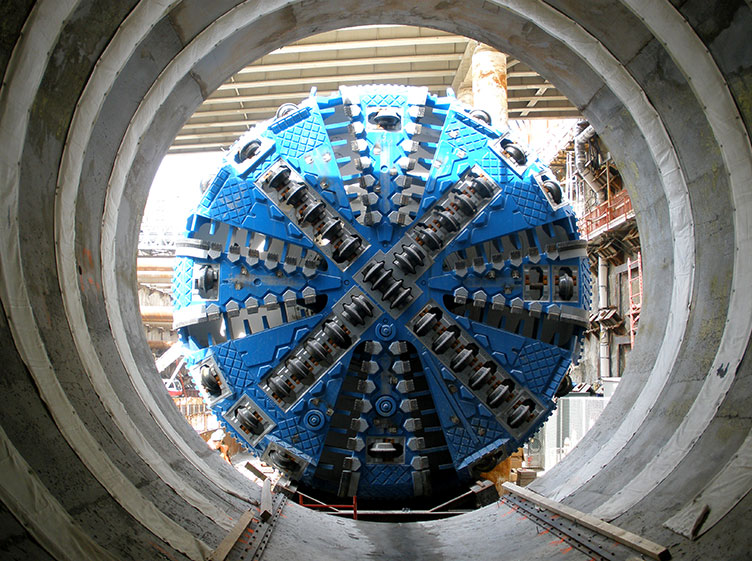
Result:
x=382 y=54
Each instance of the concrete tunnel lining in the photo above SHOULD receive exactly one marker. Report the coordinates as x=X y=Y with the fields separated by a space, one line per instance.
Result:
x=137 y=24
x=207 y=39
x=201 y=47
x=145 y=134
x=708 y=83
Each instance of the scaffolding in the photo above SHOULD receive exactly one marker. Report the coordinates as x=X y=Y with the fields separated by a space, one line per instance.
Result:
x=610 y=214
x=574 y=185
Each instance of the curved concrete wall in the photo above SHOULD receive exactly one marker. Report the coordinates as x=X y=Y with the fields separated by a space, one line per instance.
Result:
x=96 y=461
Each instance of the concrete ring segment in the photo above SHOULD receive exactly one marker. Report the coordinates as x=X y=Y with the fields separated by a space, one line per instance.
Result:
x=99 y=463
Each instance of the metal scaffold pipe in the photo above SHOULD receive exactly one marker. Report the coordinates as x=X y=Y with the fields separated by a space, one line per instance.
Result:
x=580 y=156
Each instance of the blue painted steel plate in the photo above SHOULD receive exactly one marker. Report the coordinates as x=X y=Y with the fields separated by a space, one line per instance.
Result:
x=382 y=293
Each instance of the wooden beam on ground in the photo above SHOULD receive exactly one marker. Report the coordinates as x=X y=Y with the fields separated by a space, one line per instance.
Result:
x=266 y=500
x=255 y=471
x=220 y=554
x=450 y=501
x=633 y=541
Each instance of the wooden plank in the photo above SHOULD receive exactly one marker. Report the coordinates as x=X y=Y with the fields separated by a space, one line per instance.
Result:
x=266 y=500
x=638 y=543
x=255 y=471
x=450 y=501
x=220 y=554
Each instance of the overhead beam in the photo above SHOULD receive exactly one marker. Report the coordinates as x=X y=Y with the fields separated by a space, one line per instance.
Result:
x=545 y=109
x=303 y=94
x=236 y=128
x=198 y=147
x=371 y=43
x=524 y=98
x=260 y=97
x=241 y=126
x=344 y=63
x=234 y=84
x=522 y=74
x=184 y=144
x=247 y=123
x=551 y=112
x=300 y=95
x=368 y=77
x=230 y=112
x=531 y=86
x=539 y=94
x=221 y=134
x=269 y=111
x=464 y=66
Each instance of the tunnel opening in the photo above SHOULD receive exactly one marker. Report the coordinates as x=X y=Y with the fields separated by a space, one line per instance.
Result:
x=584 y=194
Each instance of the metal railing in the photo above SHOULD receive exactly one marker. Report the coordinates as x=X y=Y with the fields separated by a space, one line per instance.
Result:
x=334 y=508
x=616 y=210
